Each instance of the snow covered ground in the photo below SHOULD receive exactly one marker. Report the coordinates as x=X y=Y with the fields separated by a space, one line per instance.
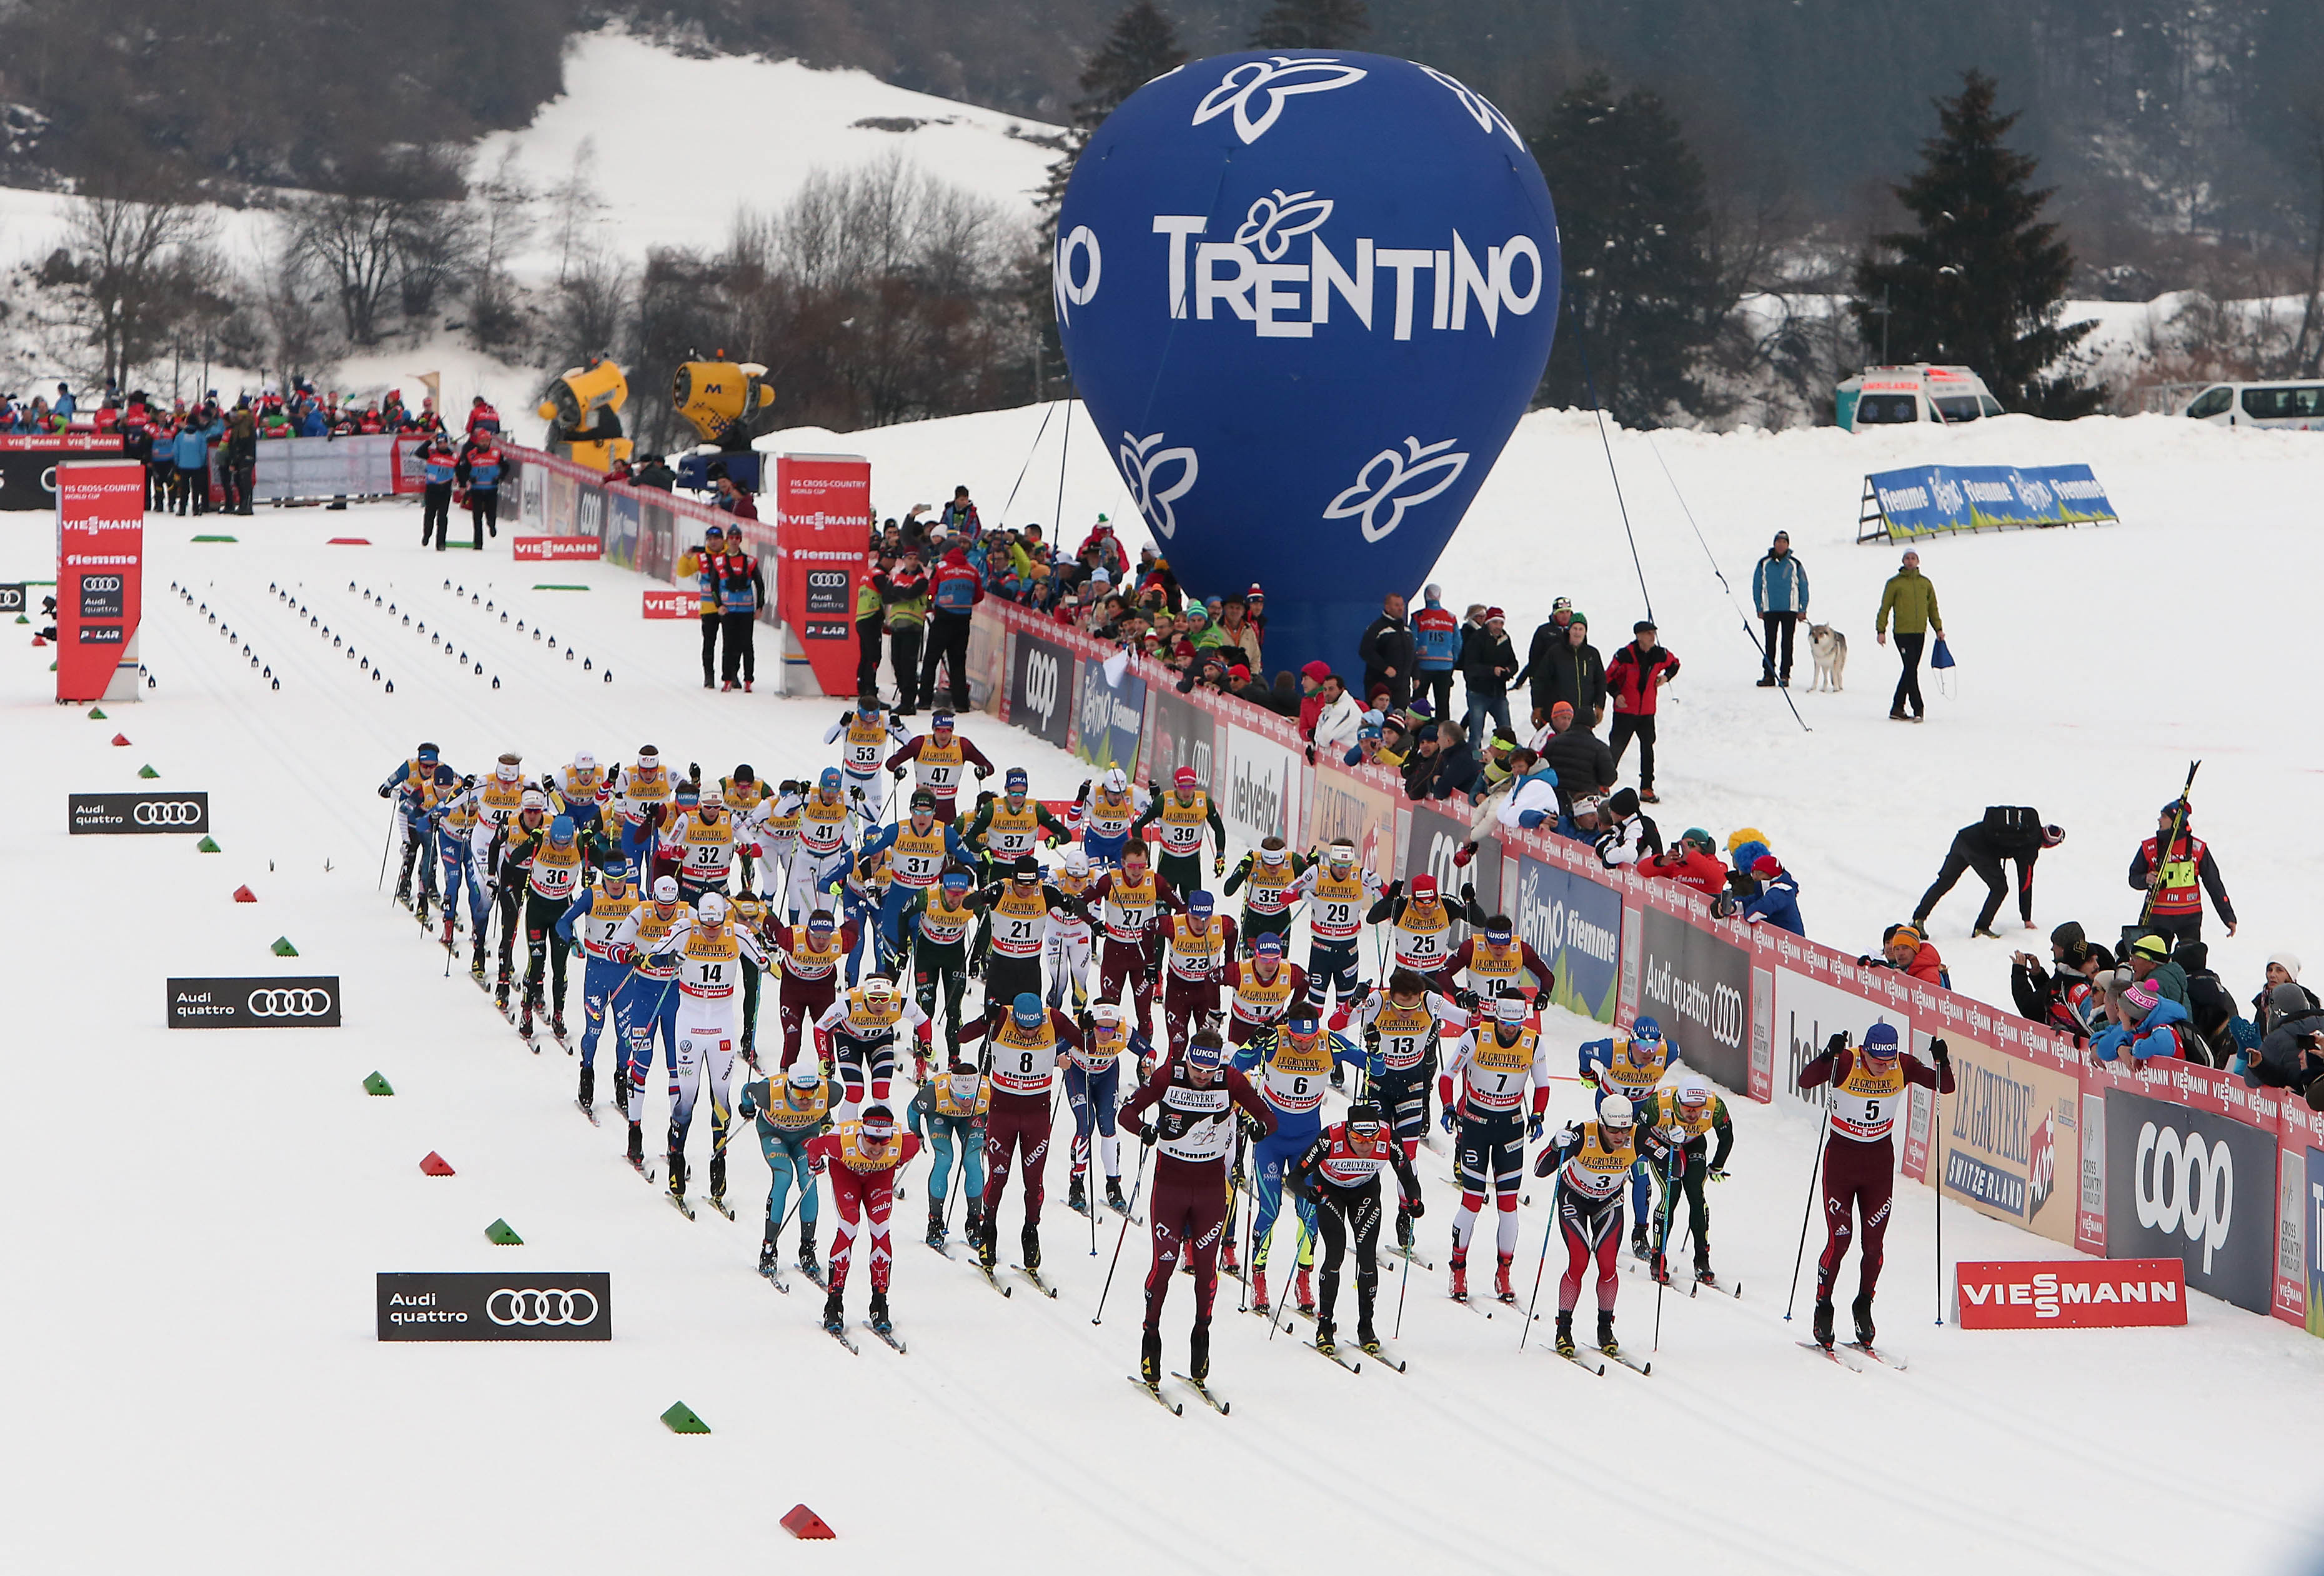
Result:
x=200 y=1216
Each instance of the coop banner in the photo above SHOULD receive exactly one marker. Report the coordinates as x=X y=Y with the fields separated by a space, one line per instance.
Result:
x=823 y=504
x=1040 y=687
x=1576 y=926
x=1697 y=985
x=1931 y=499
x=2195 y=1186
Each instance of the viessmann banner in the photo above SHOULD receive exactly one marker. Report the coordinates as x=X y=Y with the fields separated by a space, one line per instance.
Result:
x=1931 y=499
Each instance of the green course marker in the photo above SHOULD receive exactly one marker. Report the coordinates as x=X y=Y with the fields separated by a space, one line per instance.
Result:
x=681 y=1418
x=501 y=1234
x=377 y=1084
x=147 y=772
x=283 y=949
x=560 y=587
x=217 y=538
x=207 y=846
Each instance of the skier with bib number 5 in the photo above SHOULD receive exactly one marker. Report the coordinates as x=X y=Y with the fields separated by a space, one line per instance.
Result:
x=1859 y=1159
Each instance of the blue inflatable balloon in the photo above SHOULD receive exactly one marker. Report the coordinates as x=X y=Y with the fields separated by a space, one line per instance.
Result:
x=1306 y=297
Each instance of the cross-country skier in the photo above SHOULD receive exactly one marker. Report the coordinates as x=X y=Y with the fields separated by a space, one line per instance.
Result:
x=1492 y=1067
x=871 y=733
x=1269 y=874
x=1026 y=1042
x=644 y=790
x=1338 y=1174
x=1629 y=1064
x=863 y=1026
x=1020 y=907
x=1589 y=1160
x=810 y=955
x=1263 y=987
x=1194 y=1098
x=582 y=789
x=789 y=1112
x=1182 y=816
x=918 y=849
x=1494 y=959
x=776 y=820
x=1135 y=900
x=1860 y=1161
x=1294 y=1059
x=414 y=787
x=1402 y=1028
x=1420 y=929
x=1094 y=1091
x=1339 y=893
x=1676 y=1135
x=827 y=825
x=706 y=838
x=497 y=800
x=1104 y=813
x=1199 y=948
x=1065 y=946
x=711 y=951
x=1012 y=825
x=508 y=873
x=949 y=1112
x=455 y=821
x=939 y=921
x=938 y=759
x=861 y=1159
x=646 y=942
x=595 y=915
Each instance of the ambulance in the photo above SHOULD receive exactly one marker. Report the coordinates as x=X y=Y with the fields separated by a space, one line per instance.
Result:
x=1895 y=396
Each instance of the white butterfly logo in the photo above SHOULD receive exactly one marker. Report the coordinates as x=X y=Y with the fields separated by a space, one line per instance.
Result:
x=1280 y=76
x=1481 y=109
x=1395 y=490
x=1273 y=221
x=1141 y=462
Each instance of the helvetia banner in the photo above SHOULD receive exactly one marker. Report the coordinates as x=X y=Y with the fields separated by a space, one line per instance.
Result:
x=305 y=1001
x=1307 y=296
x=135 y=814
x=822 y=511
x=490 y=1305
x=101 y=569
x=1931 y=499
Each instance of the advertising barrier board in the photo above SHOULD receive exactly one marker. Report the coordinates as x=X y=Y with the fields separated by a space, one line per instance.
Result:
x=100 y=578
x=303 y=1001
x=1697 y=983
x=2194 y=1186
x=1576 y=926
x=1259 y=795
x=2075 y=1294
x=496 y=1305
x=28 y=464
x=822 y=508
x=1040 y=687
x=555 y=549
x=1931 y=499
x=130 y=814
x=1108 y=716
x=2012 y=1132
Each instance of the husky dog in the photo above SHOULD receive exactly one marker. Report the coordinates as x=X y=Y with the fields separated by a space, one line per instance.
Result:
x=1831 y=648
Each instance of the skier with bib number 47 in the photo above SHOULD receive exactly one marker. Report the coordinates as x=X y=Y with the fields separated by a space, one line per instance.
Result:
x=1491 y=1124
x=1859 y=1159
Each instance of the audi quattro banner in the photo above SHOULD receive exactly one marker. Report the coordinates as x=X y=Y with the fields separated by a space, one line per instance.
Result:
x=100 y=577
x=1040 y=687
x=1931 y=499
x=120 y=814
x=1698 y=986
x=1576 y=926
x=309 y=1001
x=1182 y=734
x=2198 y=1187
x=492 y=1305
x=823 y=505
x=12 y=596
x=2070 y=1295
x=2012 y=1132
x=1109 y=716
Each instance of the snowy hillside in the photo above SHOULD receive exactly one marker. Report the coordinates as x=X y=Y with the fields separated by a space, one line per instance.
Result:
x=201 y=1215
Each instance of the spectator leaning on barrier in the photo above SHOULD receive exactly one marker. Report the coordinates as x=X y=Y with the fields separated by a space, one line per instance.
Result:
x=1386 y=652
x=2151 y=963
x=2152 y=1025
x=1904 y=948
x=1911 y=601
x=2056 y=996
x=1488 y=663
x=1779 y=590
x=1337 y=721
x=1627 y=835
x=1580 y=759
x=2283 y=969
x=2291 y=1055
x=2211 y=1006
x=1635 y=679
x=1691 y=863
x=1437 y=642
x=1457 y=771
x=1778 y=901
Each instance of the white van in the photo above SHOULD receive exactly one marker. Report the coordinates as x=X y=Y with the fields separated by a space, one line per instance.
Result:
x=2297 y=405
x=1890 y=396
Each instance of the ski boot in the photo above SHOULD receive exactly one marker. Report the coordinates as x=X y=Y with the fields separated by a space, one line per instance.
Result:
x=718 y=1176
x=1366 y=1337
x=988 y=1245
x=421 y=908
x=1862 y=1310
x=637 y=1145
x=500 y=991
x=1031 y=1243
x=676 y=1158
x=1822 y=1324
x=1339 y=1075
x=770 y=1250
x=476 y=963
x=588 y=1089
x=808 y=1264
x=1502 y=1290
x=1460 y=1277
x=919 y=1067
x=1606 y=1341
x=1302 y=1290
x=878 y=1313
x=1640 y=1248
x=448 y=922
x=750 y=1048
x=1326 y=1335
x=1113 y=1199
x=835 y=1313
x=1564 y=1338
x=1198 y=1352
x=524 y=1020
x=935 y=1223
x=1658 y=1266
x=1228 y=1263
x=1986 y=933
x=1077 y=1194
x=556 y=1022
x=1702 y=1274
x=1259 y=1290
x=1149 y=1357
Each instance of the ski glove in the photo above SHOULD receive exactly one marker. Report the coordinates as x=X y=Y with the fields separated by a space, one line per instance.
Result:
x=1530 y=819
x=1450 y=1119
x=1942 y=1051
x=1533 y=1129
x=385 y=790
x=1718 y=1174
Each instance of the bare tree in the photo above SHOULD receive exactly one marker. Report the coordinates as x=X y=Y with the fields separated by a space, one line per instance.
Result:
x=352 y=239
x=592 y=303
x=502 y=219
x=429 y=242
x=574 y=204
x=133 y=271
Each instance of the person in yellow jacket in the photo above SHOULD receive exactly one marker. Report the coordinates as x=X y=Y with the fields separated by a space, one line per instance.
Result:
x=1912 y=600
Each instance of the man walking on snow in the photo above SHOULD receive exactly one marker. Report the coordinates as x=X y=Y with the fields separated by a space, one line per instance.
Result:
x=1913 y=600
x=1779 y=590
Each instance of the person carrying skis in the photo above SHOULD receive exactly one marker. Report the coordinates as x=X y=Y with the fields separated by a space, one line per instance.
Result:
x=1338 y=1176
x=1294 y=1059
x=1589 y=1160
x=2176 y=879
x=1194 y=1098
x=1491 y=1121
x=1676 y=1137
x=1859 y=1160
x=861 y=1158
x=789 y=1112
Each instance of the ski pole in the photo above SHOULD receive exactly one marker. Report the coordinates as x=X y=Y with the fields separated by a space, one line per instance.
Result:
x=1807 y=1210
x=1276 y=1313
x=1937 y=1148
x=1404 y=1281
x=1662 y=1248
x=1122 y=1237
x=1540 y=1266
x=394 y=814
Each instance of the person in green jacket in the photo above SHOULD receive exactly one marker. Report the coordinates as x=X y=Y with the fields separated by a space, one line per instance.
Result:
x=1912 y=599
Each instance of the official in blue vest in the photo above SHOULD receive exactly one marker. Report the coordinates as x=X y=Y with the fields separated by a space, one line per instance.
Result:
x=437 y=463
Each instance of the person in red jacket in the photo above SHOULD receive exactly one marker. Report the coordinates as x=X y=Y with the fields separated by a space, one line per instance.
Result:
x=1904 y=948
x=1635 y=679
x=955 y=589
x=1691 y=863
x=860 y=1160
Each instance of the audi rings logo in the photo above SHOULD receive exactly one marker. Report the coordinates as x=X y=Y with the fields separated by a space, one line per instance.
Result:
x=100 y=582
x=305 y=1002
x=534 y=1307
x=481 y=1305
x=116 y=814
x=1725 y=1014
x=2183 y=1184
x=290 y=1004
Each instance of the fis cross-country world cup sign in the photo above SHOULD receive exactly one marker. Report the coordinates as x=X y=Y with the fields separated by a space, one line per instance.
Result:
x=1307 y=296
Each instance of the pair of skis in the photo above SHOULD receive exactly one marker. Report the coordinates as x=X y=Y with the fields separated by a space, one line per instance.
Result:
x=1883 y=1358
x=1211 y=1397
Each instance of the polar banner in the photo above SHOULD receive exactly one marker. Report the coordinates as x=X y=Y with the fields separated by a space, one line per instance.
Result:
x=1698 y=986
x=2069 y=1294
x=1930 y=500
x=1576 y=926
x=1040 y=687
x=306 y=1001
x=2012 y=1135
x=133 y=814
x=2194 y=1186
x=1109 y=716
x=1260 y=795
x=494 y=1305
